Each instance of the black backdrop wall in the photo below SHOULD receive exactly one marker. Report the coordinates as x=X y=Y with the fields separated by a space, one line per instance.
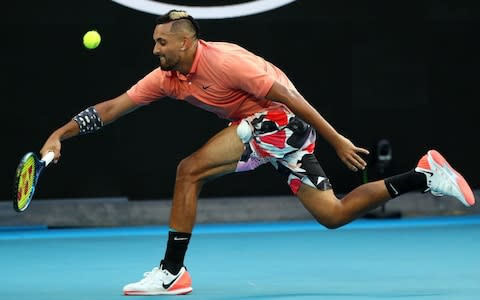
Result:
x=402 y=71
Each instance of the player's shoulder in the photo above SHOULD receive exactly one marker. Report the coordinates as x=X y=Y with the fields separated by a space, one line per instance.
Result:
x=228 y=56
x=222 y=46
x=158 y=73
x=224 y=50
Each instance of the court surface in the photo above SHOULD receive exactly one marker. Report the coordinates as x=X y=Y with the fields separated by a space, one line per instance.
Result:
x=410 y=258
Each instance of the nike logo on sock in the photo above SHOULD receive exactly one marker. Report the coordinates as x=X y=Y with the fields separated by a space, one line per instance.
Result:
x=393 y=189
x=180 y=238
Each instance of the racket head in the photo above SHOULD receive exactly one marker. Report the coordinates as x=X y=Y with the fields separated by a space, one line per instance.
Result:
x=25 y=181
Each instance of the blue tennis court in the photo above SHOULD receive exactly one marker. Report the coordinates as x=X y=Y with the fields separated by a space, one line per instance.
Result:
x=411 y=258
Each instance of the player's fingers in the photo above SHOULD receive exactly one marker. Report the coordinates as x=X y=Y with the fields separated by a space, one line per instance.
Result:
x=56 y=154
x=350 y=165
x=362 y=150
x=358 y=161
x=361 y=163
x=56 y=158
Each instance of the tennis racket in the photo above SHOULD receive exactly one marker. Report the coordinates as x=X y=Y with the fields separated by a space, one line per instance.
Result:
x=26 y=178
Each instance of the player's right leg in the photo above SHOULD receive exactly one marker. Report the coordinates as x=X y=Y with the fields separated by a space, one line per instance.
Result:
x=217 y=157
x=160 y=281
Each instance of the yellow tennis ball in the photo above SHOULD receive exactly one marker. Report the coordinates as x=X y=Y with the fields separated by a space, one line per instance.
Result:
x=91 y=39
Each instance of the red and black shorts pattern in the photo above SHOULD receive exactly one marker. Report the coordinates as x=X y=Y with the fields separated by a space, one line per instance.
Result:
x=288 y=143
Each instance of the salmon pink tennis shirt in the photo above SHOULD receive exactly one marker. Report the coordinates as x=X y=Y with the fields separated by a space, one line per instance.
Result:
x=225 y=79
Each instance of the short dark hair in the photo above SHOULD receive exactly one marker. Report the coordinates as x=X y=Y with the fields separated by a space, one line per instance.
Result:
x=181 y=19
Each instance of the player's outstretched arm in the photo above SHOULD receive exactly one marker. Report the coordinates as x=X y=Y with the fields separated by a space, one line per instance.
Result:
x=107 y=112
x=345 y=149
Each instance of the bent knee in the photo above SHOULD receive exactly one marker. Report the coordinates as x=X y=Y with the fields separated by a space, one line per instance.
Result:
x=187 y=169
x=335 y=219
x=331 y=224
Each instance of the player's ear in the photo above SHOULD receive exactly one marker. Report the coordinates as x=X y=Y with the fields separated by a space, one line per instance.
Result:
x=186 y=43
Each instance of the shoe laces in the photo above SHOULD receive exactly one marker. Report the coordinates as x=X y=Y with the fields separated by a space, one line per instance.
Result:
x=147 y=276
x=428 y=177
x=154 y=274
x=441 y=183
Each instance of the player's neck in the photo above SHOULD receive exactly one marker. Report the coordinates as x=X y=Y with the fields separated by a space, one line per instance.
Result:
x=186 y=65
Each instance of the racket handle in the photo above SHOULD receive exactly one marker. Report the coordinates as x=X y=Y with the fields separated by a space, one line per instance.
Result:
x=48 y=158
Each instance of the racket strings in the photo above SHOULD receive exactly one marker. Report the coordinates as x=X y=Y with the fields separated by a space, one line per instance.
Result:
x=26 y=183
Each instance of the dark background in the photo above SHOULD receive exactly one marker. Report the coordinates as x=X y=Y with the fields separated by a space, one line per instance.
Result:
x=404 y=71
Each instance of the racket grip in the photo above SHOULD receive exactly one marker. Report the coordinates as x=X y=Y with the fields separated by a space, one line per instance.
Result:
x=48 y=157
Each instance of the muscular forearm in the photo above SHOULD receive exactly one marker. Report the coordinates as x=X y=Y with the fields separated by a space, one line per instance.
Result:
x=300 y=107
x=67 y=131
x=72 y=128
x=306 y=112
x=89 y=121
x=53 y=143
x=345 y=149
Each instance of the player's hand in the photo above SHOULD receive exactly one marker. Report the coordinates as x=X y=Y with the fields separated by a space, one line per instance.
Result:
x=52 y=144
x=349 y=154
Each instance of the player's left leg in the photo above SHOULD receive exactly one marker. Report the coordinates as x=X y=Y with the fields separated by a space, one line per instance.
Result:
x=333 y=212
x=432 y=173
x=310 y=184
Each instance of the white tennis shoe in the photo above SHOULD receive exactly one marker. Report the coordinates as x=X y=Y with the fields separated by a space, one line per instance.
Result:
x=442 y=179
x=160 y=281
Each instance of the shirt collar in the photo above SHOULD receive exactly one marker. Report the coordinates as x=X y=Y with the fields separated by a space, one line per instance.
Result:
x=198 y=53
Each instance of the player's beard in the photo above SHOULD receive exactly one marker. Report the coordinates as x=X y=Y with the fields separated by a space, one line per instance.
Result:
x=165 y=65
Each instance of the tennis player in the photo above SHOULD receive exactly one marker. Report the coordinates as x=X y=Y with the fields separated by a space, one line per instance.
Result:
x=270 y=123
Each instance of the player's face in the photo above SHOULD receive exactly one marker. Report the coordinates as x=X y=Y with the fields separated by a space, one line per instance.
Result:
x=167 y=47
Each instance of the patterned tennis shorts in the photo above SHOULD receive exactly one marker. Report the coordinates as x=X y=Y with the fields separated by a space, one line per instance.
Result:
x=277 y=136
